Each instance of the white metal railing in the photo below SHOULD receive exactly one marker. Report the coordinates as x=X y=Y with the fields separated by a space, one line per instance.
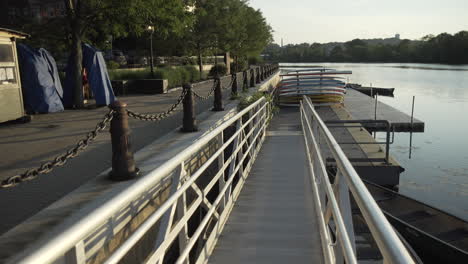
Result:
x=333 y=201
x=187 y=196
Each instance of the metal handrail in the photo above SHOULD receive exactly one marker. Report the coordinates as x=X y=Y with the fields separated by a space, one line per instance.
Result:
x=71 y=235
x=391 y=247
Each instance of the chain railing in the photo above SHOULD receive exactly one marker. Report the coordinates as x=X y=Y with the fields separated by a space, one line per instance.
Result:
x=61 y=159
x=160 y=116
x=210 y=93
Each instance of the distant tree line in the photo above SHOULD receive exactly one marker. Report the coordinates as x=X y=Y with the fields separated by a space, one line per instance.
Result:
x=181 y=27
x=443 y=48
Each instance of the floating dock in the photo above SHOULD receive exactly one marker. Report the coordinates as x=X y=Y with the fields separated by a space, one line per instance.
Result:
x=368 y=157
x=371 y=91
x=361 y=106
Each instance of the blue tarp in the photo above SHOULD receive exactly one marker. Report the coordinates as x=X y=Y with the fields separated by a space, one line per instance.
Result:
x=98 y=78
x=40 y=80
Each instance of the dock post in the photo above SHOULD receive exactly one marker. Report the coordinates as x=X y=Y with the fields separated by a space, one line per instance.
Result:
x=234 y=84
x=218 y=96
x=189 y=123
x=252 y=78
x=123 y=163
x=257 y=79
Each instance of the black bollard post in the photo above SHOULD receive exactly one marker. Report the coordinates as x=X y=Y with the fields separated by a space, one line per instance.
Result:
x=245 y=81
x=189 y=122
x=234 y=84
x=257 y=77
x=218 y=96
x=123 y=163
x=252 y=77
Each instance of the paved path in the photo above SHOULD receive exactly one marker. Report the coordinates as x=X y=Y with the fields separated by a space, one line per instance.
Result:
x=27 y=145
x=274 y=219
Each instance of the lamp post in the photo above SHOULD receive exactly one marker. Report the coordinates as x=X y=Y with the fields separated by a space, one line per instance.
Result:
x=151 y=30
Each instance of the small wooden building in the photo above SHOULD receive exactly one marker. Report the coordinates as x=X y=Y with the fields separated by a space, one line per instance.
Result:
x=11 y=98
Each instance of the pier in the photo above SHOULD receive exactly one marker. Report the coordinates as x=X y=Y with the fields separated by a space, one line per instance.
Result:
x=252 y=185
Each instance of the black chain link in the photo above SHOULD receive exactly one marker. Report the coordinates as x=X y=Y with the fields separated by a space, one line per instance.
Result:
x=59 y=160
x=230 y=84
x=161 y=116
x=209 y=94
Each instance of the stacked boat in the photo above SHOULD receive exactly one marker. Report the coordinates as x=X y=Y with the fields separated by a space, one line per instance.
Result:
x=324 y=86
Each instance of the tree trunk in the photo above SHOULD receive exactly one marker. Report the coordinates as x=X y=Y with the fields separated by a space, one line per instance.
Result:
x=200 y=62
x=76 y=25
x=77 y=61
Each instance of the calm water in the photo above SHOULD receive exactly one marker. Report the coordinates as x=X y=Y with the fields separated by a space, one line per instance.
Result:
x=437 y=172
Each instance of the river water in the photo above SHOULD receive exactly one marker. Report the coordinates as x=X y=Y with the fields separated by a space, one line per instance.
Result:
x=437 y=172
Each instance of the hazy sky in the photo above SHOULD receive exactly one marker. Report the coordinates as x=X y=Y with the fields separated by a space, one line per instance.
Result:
x=298 y=21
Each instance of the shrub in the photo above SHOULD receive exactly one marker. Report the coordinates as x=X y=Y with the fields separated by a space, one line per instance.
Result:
x=255 y=60
x=242 y=65
x=221 y=69
x=176 y=76
x=112 y=65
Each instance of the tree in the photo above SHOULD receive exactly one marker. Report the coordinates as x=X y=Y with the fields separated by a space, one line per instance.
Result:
x=117 y=18
x=228 y=26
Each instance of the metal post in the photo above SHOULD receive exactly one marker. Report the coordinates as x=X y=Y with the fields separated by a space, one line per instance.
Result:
x=375 y=112
x=257 y=79
x=189 y=123
x=252 y=78
x=218 y=96
x=234 y=84
x=152 y=58
x=123 y=163
x=245 y=80
x=411 y=132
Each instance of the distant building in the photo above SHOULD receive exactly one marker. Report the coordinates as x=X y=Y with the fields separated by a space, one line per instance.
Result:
x=397 y=36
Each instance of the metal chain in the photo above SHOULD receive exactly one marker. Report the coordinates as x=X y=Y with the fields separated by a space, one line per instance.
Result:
x=230 y=84
x=208 y=95
x=61 y=159
x=161 y=116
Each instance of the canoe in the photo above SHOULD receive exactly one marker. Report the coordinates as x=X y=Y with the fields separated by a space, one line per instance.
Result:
x=323 y=86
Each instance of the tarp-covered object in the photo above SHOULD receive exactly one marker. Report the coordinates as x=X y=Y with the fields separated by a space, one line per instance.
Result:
x=40 y=80
x=98 y=77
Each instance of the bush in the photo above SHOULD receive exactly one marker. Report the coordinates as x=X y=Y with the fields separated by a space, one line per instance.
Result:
x=221 y=69
x=112 y=65
x=242 y=65
x=176 y=76
x=255 y=60
x=247 y=100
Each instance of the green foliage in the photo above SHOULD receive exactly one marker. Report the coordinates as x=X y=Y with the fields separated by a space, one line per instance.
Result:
x=176 y=76
x=112 y=65
x=255 y=60
x=443 y=48
x=246 y=100
x=219 y=69
x=239 y=64
x=227 y=26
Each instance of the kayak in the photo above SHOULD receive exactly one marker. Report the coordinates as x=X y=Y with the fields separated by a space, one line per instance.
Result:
x=322 y=85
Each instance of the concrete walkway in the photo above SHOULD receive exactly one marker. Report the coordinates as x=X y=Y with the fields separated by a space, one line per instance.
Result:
x=274 y=219
x=26 y=146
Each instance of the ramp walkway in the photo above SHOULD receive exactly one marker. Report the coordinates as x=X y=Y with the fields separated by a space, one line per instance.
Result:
x=274 y=220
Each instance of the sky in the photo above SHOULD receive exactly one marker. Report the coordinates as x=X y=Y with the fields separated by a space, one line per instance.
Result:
x=299 y=21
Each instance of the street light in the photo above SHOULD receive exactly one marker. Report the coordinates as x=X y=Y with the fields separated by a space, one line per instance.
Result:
x=151 y=30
